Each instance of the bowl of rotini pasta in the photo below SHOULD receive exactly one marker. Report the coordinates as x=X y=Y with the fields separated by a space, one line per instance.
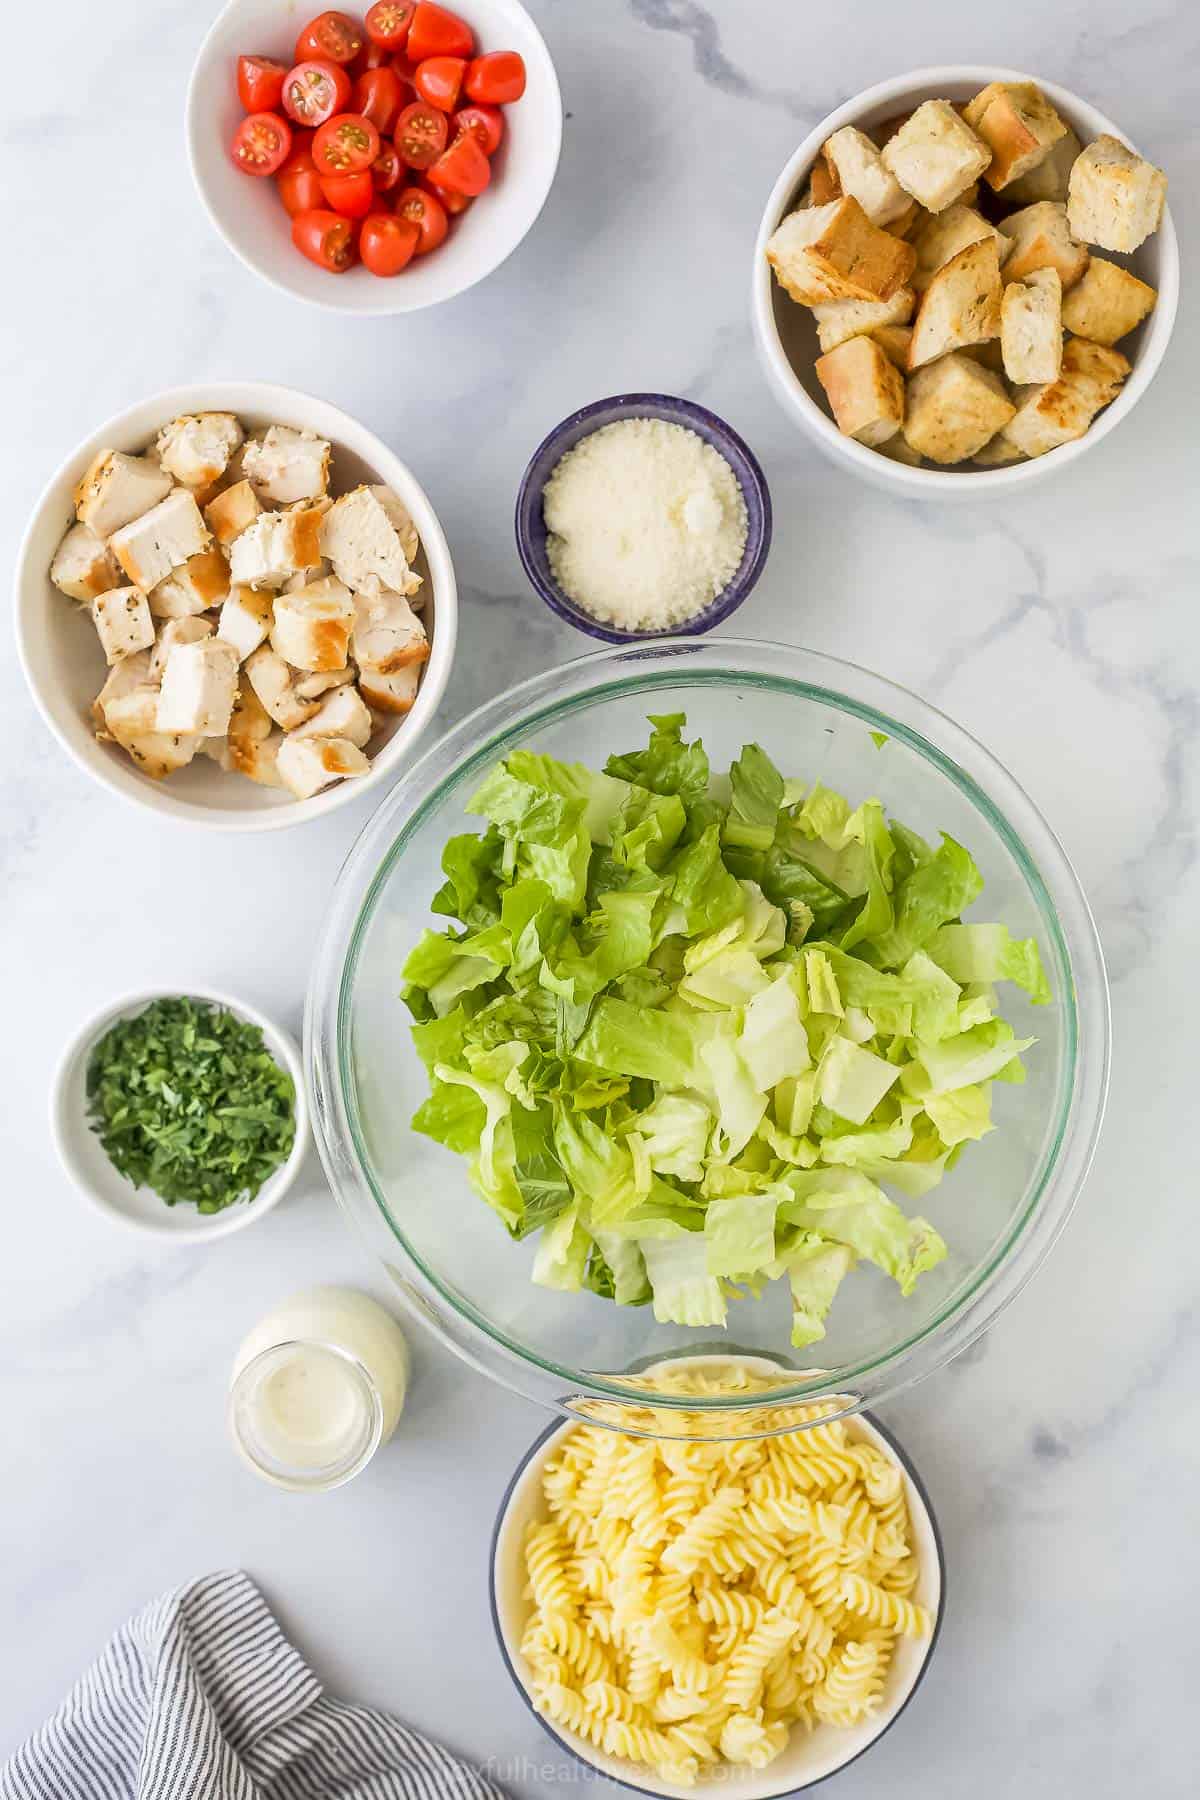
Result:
x=751 y=1614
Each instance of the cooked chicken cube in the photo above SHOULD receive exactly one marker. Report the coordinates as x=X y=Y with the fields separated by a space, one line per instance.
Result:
x=245 y=619
x=273 y=681
x=123 y=621
x=390 y=693
x=306 y=765
x=259 y=761
x=277 y=545
x=156 y=753
x=176 y=631
x=362 y=543
x=133 y=713
x=116 y=489
x=250 y=730
x=312 y=627
x=401 y=518
x=196 y=448
x=287 y=465
x=196 y=586
x=83 y=565
x=131 y=672
x=317 y=572
x=343 y=715
x=199 y=686
x=387 y=633
x=149 y=547
x=232 y=511
x=310 y=687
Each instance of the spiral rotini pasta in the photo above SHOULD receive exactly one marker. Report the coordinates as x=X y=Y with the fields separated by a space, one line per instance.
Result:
x=694 y=1602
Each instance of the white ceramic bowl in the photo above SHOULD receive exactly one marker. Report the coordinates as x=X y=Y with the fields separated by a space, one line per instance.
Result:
x=787 y=339
x=248 y=213
x=808 y=1758
x=64 y=664
x=141 y=1209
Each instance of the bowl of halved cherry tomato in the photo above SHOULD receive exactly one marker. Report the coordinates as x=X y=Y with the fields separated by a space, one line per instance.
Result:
x=374 y=162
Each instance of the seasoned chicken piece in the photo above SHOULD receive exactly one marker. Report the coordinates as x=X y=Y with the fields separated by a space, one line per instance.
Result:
x=387 y=633
x=288 y=465
x=232 y=511
x=176 y=631
x=362 y=543
x=273 y=681
x=260 y=761
x=123 y=621
x=133 y=713
x=342 y=715
x=199 y=686
x=312 y=627
x=306 y=765
x=116 y=489
x=390 y=693
x=157 y=753
x=131 y=672
x=246 y=619
x=252 y=743
x=401 y=518
x=83 y=566
x=309 y=687
x=277 y=545
x=196 y=586
x=149 y=547
x=196 y=448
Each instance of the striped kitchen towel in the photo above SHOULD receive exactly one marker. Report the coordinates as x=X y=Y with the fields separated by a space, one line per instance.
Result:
x=201 y=1697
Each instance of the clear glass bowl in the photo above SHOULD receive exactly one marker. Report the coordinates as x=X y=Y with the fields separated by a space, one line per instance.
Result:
x=451 y=1261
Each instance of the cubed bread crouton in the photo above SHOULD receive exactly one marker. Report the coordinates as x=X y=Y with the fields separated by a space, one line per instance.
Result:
x=1019 y=126
x=83 y=565
x=887 y=128
x=273 y=681
x=898 y=449
x=988 y=355
x=308 y=764
x=1062 y=410
x=942 y=235
x=1040 y=238
x=823 y=184
x=286 y=465
x=311 y=628
x=196 y=448
x=1115 y=198
x=123 y=621
x=865 y=390
x=859 y=169
x=1031 y=327
x=954 y=408
x=150 y=546
x=1107 y=303
x=393 y=693
x=232 y=511
x=1048 y=179
x=838 y=320
x=197 y=585
x=199 y=686
x=834 y=252
x=114 y=489
x=998 y=453
x=935 y=156
x=960 y=306
x=277 y=545
x=343 y=715
x=894 y=341
x=175 y=631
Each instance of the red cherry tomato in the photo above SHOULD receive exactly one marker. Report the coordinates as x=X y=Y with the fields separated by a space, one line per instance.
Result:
x=299 y=188
x=422 y=133
x=453 y=203
x=325 y=238
x=388 y=21
x=436 y=32
x=351 y=195
x=439 y=80
x=378 y=96
x=261 y=143
x=345 y=144
x=260 y=83
x=387 y=171
x=463 y=168
x=387 y=244
x=315 y=91
x=484 y=123
x=497 y=78
x=426 y=212
x=371 y=56
x=332 y=35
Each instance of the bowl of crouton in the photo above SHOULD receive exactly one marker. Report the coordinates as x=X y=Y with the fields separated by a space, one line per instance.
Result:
x=963 y=279
x=236 y=606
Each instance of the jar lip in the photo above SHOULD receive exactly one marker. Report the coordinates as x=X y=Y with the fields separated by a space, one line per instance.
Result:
x=260 y=1458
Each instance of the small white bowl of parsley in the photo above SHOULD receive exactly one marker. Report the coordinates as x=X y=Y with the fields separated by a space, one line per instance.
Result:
x=181 y=1114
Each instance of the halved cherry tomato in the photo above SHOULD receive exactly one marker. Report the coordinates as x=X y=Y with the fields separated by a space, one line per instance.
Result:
x=378 y=96
x=334 y=35
x=453 y=203
x=387 y=244
x=484 y=123
x=497 y=78
x=426 y=212
x=314 y=91
x=463 y=168
x=351 y=195
x=325 y=238
x=371 y=56
x=436 y=32
x=388 y=21
x=422 y=133
x=261 y=143
x=387 y=171
x=439 y=80
x=345 y=144
x=299 y=188
x=260 y=83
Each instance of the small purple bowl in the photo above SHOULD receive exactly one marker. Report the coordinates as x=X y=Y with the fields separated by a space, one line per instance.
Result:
x=531 y=524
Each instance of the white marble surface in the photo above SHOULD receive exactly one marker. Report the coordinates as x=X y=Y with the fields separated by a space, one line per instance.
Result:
x=1063 y=1452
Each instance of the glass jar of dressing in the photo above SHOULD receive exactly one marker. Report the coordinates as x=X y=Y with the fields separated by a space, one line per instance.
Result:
x=317 y=1387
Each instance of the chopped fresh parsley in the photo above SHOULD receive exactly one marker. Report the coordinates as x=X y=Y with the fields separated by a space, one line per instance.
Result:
x=187 y=1099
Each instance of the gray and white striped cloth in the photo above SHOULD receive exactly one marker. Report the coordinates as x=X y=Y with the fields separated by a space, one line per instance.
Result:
x=201 y=1697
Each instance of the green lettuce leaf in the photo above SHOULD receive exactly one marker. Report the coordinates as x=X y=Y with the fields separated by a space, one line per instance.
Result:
x=684 y=1291
x=987 y=953
x=739 y=1234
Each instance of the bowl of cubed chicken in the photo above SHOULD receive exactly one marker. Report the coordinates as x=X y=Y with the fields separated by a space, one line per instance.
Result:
x=963 y=279
x=236 y=606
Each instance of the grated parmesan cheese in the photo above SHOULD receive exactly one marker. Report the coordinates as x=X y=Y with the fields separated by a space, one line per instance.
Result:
x=646 y=524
